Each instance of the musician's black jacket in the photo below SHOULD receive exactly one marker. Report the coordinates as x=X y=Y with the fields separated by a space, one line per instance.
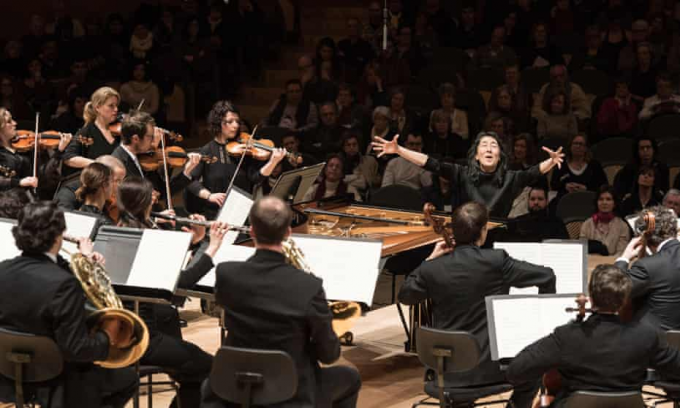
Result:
x=99 y=147
x=269 y=304
x=656 y=286
x=177 y=183
x=216 y=177
x=41 y=297
x=22 y=165
x=489 y=189
x=599 y=354
x=458 y=282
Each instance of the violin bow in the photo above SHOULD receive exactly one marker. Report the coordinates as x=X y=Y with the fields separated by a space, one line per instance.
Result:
x=240 y=162
x=36 y=145
x=168 y=197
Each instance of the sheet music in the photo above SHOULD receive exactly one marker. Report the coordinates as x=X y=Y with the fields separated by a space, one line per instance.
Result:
x=159 y=259
x=226 y=253
x=8 y=249
x=512 y=331
x=348 y=267
x=78 y=226
x=235 y=212
x=565 y=258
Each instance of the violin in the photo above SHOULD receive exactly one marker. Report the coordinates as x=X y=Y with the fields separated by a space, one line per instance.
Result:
x=25 y=140
x=438 y=225
x=174 y=155
x=116 y=130
x=259 y=149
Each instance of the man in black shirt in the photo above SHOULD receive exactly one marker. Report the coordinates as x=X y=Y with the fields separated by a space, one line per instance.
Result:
x=602 y=353
x=458 y=280
x=538 y=224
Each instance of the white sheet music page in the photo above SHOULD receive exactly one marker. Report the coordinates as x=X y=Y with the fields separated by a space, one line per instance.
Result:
x=8 y=249
x=77 y=226
x=234 y=212
x=566 y=260
x=522 y=251
x=159 y=259
x=348 y=267
x=514 y=331
x=226 y=253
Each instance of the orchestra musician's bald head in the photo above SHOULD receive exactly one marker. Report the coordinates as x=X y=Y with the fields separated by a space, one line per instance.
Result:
x=270 y=220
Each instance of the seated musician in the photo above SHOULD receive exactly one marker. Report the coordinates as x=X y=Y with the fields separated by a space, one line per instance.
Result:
x=457 y=281
x=188 y=364
x=40 y=295
x=269 y=304
x=331 y=183
x=656 y=286
x=13 y=201
x=139 y=135
x=96 y=185
x=486 y=177
x=207 y=192
x=601 y=353
x=16 y=167
x=66 y=195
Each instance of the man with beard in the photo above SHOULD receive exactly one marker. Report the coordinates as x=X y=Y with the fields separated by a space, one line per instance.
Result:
x=537 y=225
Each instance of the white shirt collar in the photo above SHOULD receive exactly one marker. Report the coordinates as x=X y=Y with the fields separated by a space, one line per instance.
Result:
x=662 y=244
x=52 y=256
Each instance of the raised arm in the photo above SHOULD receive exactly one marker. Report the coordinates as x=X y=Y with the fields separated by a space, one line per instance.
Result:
x=383 y=147
x=556 y=158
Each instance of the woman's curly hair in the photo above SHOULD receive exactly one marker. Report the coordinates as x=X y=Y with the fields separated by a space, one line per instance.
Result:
x=217 y=114
x=40 y=224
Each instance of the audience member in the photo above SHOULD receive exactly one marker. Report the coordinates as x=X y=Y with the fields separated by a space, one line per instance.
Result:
x=628 y=55
x=315 y=89
x=574 y=94
x=504 y=103
x=607 y=233
x=672 y=200
x=524 y=152
x=537 y=224
x=402 y=171
x=325 y=138
x=402 y=120
x=459 y=118
x=665 y=101
x=644 y=154
x=441 y=141
x=558 y=122
x=292 y=110
x=581 y=172
x=541 y=53
x=495 y=54
x=594 y=55
x=140 y=92
x=470 y=34
x=291 y=142
x=361 y=171
x=520 y=96
x=370 y=91
x=644 y=194
x=440 y=193
x=618 y=113
x=643 y=81
x=350 y=113
x=354 y=51
x=331 y=183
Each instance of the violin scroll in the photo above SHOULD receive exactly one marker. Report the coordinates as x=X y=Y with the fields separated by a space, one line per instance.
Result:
x=438 y=225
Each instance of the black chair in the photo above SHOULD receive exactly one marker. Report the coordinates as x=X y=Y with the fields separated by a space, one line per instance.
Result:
x=273 y=133
x=148 y=372
x=448 y=352
x=671 y=388
x=533 y=79
x=591 y=399
x=27 y=358
x=397 y=196
x=668 y=152
x=613 y=153
x=664 y=127
x=576 y=206
x=253 y=377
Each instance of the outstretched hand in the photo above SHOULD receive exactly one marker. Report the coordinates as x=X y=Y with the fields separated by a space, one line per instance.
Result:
x=383 y=146
x=556 y=156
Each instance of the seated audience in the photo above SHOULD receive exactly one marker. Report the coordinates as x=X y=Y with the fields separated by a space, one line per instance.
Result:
x=371 y=89
x=645 y=150
x=441 y=141
x=618 y=113
x=495 y=54
x=594 y=54
x=610 y=232
x=402 y=171
x=331 y=183
x=503 y=101
x=350 y=113
x=325 y=138
x=644 y=194
x=361 y=171
x=523 y=152
x=459 y=118
x=540 y=53
x=402 y=120
x=315 y=89
x=291 y=142
x=578 y=349
x=292 y=111
x=665 y=101
x=440 y=192
x=581 y=172
x=672 y=200
x=559 y=78
x=536 y=225
x=140 y=88
x=558 y=122
x=644 y=74
x=518 y=94
x=354 y=51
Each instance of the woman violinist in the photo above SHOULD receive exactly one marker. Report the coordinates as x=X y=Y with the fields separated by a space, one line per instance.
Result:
x=208 y=190
x=190 y=365
x=100 y=112
x=15 y=167
x=96 y=185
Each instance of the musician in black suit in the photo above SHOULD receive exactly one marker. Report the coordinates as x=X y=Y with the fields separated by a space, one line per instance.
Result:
x=601 y=353
x=138 y=136
x=269 y=304
x=457 y=281
x=40 y=295
x=656 y=278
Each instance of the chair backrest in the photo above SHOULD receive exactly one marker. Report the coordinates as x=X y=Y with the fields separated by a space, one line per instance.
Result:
x=578 y=205
x=574 y=229
x=668 y=152
x=593 y=81
x=460 y=349
x=615 y=150
x=664 y=127
x=45 y=361
x=534 y=78
x=272 y=374
x=486 y=79
x=591 y=399
x=611 y=170
x=397 y=196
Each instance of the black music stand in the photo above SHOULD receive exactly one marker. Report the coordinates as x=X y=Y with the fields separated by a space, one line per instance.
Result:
x=292 y=185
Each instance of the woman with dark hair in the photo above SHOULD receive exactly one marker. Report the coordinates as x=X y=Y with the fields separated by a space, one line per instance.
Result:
x=644 y=193
x=326 y=52
x=523 y=152
x=486 y=178
x=331 y=182
x=643 y=76
x=644 y=154
x=402 y=120
x=581 y=172
x=206 y=194
x=559 y=122
x=141 y=88
x=503 y=102
x=459 y=118
x=605 y=227
x=189 y=364
x=96 y=185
